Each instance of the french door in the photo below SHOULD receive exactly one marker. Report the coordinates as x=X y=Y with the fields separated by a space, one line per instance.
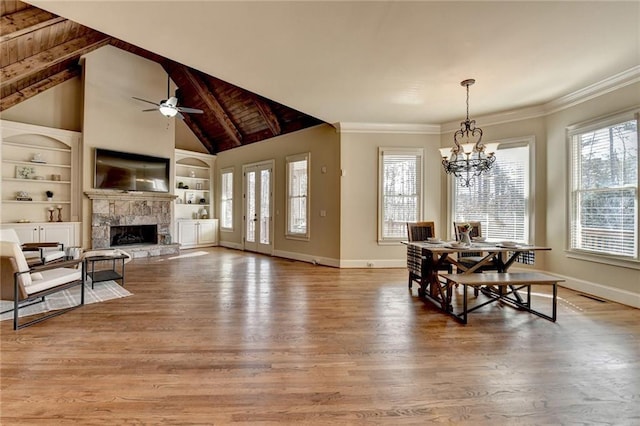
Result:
x=258 y=207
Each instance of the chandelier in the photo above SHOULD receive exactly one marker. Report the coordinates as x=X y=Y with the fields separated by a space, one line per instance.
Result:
x=469 y=157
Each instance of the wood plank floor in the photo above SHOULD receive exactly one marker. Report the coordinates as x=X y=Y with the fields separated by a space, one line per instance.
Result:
x=218 y=336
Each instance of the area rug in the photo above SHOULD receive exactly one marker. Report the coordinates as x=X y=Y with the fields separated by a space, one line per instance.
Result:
x=101 y=292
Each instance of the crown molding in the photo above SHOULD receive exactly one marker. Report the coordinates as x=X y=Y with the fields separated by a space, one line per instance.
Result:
x=422 y=129
x=615 y=82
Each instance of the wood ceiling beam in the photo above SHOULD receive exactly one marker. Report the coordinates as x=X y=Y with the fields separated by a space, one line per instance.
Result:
x=26 y=21
x=212 y=102
x=202 y=137
x=11 y=74
x=39 y=87
x=267 y=114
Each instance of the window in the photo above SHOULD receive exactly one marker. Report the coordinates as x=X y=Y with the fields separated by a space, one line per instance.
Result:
x=400 y=186
x=226 y=200
x=298 y=196
x=500 y=199
x=604 y=187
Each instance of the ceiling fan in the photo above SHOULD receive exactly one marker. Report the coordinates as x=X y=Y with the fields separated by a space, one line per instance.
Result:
x=169 y=107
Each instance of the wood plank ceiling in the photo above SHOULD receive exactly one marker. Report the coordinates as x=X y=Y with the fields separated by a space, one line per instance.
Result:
x=39 y=50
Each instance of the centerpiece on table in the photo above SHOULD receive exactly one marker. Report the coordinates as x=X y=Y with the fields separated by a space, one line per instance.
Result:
x=465 y=233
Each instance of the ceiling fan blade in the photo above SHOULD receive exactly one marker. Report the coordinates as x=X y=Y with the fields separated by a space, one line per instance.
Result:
x=190 y=110
x=180 y=116
x=151 y=109
x=144 y=100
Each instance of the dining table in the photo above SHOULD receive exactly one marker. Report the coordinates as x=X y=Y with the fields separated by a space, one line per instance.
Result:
x=426 y=258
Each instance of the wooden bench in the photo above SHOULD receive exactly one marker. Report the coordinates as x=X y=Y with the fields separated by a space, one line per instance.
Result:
x=503 y=286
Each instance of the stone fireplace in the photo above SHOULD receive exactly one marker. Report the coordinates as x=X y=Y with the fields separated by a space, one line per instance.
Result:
x=139 y=223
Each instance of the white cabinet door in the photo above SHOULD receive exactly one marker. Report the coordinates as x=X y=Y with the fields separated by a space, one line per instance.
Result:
x=27 y=233
x=58 y=233
x=67 y=233
x=187 y=233
x=206 y=232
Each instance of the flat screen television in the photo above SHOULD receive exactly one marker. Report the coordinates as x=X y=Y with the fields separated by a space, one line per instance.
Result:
x=130 y=172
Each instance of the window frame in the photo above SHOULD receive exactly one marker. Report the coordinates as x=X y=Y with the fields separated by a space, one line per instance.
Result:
x=528 y=140
x=572 y=132
x=223 y=172
x=306 y=236
x=419 y=153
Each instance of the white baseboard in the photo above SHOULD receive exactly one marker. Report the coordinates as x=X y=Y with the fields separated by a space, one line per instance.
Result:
x=373 y=263
x=601 y=291
x=228 y=244
x=316 y=260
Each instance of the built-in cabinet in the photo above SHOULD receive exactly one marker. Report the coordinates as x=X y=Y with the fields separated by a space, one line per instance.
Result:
x=194 y=202
x=197 y=233
x=67 y=233
x=37 y=162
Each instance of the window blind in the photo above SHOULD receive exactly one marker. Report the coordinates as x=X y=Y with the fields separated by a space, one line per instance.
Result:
x=400 y=193
x=297 y=192
x=499 y=200
x=226 y=200
x=604 y=190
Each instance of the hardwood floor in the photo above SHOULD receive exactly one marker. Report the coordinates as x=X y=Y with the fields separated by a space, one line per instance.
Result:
x=218 y=336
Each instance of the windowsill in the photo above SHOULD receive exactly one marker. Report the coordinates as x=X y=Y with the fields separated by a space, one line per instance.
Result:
x=389 y=242
x=607 y=260
x=297 y=237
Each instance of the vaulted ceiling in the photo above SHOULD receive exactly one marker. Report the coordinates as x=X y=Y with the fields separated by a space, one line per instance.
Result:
x=39 y=50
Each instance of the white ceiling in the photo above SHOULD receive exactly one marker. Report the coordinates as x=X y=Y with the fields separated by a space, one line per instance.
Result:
x=383 y=61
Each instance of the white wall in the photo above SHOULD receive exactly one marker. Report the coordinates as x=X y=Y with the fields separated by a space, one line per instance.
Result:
x=359 y=199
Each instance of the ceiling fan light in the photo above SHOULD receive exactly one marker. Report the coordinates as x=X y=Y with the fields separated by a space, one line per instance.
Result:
x=167 y=111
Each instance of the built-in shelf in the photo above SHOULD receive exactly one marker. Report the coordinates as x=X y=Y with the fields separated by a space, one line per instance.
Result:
x=34 y=164
x=58 y=169
x=37 y=202
x=38 y=147
x=66 y=182
x=194 y=227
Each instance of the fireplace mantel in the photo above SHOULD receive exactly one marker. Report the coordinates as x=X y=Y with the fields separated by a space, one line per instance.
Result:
x=106 y=194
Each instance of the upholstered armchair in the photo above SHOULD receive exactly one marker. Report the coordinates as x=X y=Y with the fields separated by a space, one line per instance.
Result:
x=27 y=286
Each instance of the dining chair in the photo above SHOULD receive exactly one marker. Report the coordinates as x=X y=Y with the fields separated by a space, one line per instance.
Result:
x=470 y=258
x=420 y=231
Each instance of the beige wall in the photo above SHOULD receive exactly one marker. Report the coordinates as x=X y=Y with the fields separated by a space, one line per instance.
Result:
x=588 y=276
x=113 y=120
x=323 y=144
x=359 y=187
x=185 y=139
x=59 y=107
